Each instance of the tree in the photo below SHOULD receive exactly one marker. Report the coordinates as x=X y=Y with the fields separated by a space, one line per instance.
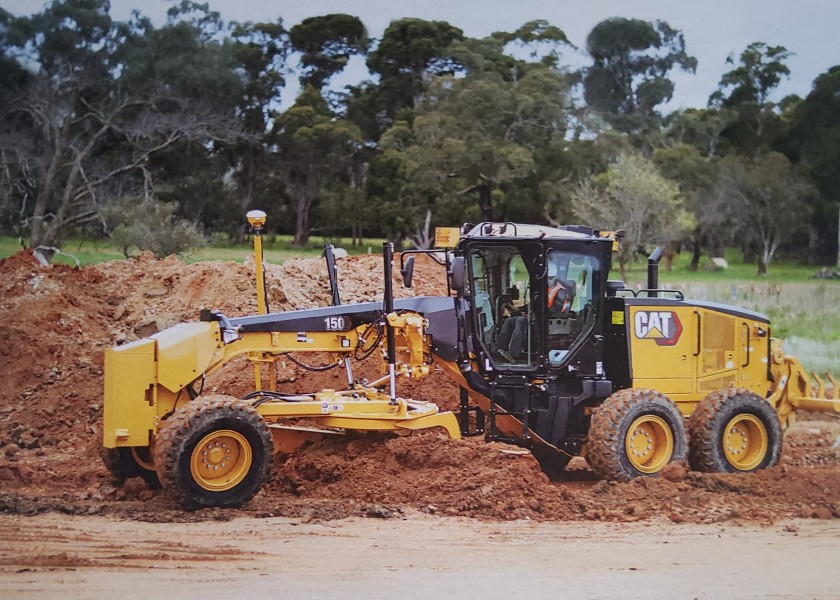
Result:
x=629 y=75
x=695 y=176
x=410 y=51
x=768 y=198
x=813 y=142
x=326 y=44
x=85 y=125
x=476 y=136
x=543 y=41
x=261 y=50
x=747 y=89
x=632 y=195
x=700 y=127
x=312 y=149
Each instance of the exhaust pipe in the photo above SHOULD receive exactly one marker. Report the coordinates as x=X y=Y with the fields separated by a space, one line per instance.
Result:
x=653 y=272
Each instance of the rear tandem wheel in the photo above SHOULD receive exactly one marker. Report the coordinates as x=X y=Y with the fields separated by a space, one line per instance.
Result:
x=215 y=451
x=734 y=431
x=635 y=432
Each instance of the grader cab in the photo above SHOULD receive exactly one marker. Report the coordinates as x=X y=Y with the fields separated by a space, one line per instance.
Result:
x=549 y=354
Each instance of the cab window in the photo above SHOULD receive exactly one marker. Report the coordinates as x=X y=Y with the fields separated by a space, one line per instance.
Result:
x=571 y=279
x=504 y=314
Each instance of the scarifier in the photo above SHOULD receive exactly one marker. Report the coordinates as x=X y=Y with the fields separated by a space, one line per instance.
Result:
x=549 y=354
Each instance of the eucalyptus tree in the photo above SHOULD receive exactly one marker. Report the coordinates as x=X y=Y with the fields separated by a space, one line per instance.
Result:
x=410 y=52
x=813 y=142
x=326 y=44
x=261 y=53
x=747 y=89
x=631 y=63
x=766 y=199
x=83 y=129
x=634 y=196
x=474 y=139
x=312 y=148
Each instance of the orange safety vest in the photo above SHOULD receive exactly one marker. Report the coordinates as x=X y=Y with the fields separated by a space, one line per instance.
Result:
x=552 y=295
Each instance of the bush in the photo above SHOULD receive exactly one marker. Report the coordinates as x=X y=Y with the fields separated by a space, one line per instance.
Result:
x=152 y=226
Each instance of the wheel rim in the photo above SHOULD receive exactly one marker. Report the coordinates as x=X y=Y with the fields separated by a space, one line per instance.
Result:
x=649 y=444
x=745 y=442
x=221 y=460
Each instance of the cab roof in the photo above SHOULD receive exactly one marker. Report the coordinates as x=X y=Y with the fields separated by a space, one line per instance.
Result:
x=522 y=230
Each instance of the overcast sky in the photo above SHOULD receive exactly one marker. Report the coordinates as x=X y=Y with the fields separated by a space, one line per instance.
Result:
x=713 y=28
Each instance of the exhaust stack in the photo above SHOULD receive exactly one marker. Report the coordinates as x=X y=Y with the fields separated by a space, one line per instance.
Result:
x=653 y=272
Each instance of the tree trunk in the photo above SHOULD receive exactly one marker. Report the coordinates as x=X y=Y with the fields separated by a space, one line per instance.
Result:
x=696 y=252
x=485 y=202
x=302 y=222
x=762 y=265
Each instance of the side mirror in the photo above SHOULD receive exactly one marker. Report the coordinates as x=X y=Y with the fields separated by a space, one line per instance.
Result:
x=407 y=271
x=457 y=274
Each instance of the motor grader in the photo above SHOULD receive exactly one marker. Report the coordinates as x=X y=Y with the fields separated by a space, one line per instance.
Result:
x=549 y=354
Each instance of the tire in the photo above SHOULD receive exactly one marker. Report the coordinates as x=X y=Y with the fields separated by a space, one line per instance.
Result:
x=122 y=463
x=734 y=431
x=214 y=452
x=633 y=433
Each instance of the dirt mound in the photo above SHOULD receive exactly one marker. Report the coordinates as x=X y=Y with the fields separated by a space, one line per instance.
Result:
x=56 y=322
x=428 y=471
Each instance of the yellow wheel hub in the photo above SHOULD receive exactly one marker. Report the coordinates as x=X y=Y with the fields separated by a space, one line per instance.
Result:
x=745 y=442
x=221 y=460
x=649 y=444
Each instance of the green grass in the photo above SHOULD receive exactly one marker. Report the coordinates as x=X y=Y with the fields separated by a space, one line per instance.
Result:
x=780 y=271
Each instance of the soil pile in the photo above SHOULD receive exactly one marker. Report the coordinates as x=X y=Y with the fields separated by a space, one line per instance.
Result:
x=56 y=322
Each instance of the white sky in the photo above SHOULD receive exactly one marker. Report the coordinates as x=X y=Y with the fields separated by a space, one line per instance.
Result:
x=713 y=28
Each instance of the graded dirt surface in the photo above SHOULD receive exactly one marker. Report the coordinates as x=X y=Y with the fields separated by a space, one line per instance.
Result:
x=56 y=321
x=413 y=557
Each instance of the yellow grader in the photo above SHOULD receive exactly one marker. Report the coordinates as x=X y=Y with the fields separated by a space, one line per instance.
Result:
x=549 y=354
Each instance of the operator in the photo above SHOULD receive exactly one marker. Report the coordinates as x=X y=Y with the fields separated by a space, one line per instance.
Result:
x=559 y=296
x=512 y=336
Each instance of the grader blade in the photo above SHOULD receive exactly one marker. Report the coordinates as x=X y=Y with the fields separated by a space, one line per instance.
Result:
x=797 y=389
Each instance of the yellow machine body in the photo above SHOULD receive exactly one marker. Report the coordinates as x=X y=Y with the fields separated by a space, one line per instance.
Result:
x=689 y=351
x=147 y=380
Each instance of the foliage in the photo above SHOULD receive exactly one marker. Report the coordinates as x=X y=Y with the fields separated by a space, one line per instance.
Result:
x=449 y=128
x=313 y=149
x=747 y=89
x=813 y=142
x=149 y=225
x=326 y=44
x=632 y=195
x=82 y=130
x=409 y=52
x=767 y=199
x=628 y=78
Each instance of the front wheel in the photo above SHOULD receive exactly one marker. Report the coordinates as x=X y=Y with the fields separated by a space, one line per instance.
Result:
x=734 y=431
x=214 y=452
x=635 y=432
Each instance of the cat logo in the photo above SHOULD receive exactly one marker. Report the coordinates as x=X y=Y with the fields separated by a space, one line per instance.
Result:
x=662 y=326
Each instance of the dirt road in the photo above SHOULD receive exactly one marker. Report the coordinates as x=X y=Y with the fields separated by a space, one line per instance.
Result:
x=420 y=556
